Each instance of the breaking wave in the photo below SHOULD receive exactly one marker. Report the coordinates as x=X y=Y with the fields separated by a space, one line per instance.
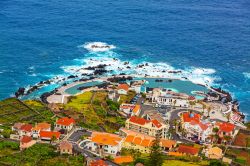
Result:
x=97 y=46
x=102 y=54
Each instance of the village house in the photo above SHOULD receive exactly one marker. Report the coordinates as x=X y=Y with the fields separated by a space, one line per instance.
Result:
x=188 y=150
x=65 y=148
x=142 y=142
x=226 y=129
x=104 y=143
x=114 y=96
x=26 y=142
x=149 y=127
x=40 y=127
x=17 y=126
x=25 y=130
x=214 y=153
x=65 y=123
x=196 y=129
x=127 y=108
x=169 y=98
x=137 y=86
x=123 y=89
x=49 y=135
x=130 y=109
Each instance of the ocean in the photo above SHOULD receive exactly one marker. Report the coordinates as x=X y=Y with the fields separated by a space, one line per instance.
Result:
x=209 y=41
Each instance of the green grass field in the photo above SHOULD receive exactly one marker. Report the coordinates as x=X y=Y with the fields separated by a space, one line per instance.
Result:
x=183 y=163
x=38 y=154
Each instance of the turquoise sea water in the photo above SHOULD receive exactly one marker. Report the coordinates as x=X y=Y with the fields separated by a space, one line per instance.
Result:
x=40 y=39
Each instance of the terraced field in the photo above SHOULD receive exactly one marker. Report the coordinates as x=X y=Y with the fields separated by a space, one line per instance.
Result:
x=13 y=110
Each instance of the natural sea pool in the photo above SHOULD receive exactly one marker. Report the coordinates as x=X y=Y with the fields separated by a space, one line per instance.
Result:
x=74 y=90
x=175 y=85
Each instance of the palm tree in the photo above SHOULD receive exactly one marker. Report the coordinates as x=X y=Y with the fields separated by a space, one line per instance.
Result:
x=203 y=107
x=174 y=102
x=228 y=117
x=208 y=111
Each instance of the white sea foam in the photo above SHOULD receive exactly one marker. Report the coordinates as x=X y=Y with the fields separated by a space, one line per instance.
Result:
x=97 y=46
x=201 y=76
x=246 y=75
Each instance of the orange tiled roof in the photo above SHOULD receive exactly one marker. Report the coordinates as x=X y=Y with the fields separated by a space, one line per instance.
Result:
x=188 y=117
x=42 y=126
x=129 y=138
x=167 y=143
x=146 y=142
x=49 y=134
x=123 y=86
x=156 y=123
x=25 y=139
x=175 y=154
x=65 y=121
x=105 y=138
x=26 y=127
x=226 y=127
x=123 y=159
x=98 y=163
x=188 y=149
x=138 y=120
x=136 y=108
x=137 y=140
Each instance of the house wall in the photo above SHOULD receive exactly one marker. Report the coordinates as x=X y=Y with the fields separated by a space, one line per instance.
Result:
x=142 y=149
x=122 y=92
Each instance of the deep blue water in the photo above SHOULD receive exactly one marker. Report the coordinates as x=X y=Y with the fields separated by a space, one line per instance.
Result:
x=38 y=37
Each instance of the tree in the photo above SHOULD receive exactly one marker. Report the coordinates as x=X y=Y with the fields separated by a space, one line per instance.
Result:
x=208 y=111
x=53 y=138
x=156 y=156
x=174 y=102
x=228 y=117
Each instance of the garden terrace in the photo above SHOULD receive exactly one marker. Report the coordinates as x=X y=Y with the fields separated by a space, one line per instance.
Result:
x=92 y=110
x=13 y=110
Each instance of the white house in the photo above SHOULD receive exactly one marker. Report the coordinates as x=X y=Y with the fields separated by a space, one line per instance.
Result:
x=104 y=144
x=65 y=124
x=114 y=96
x=127 y=108
x=40 y=127
x=123 y=89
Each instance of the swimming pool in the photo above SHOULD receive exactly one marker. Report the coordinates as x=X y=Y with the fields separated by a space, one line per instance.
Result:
x=74 y=90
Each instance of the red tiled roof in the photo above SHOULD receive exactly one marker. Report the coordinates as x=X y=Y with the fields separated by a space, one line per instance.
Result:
x=191 y=98
x=226 y=127
x=123 y=86
x=202 y=125
x=65 y=121
x=188 y=149
x=98 y=163
x=50 y=134
x=26 y=127
x=138 y=120
x=156 y=123
x=25 y=139
x=188 y=117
